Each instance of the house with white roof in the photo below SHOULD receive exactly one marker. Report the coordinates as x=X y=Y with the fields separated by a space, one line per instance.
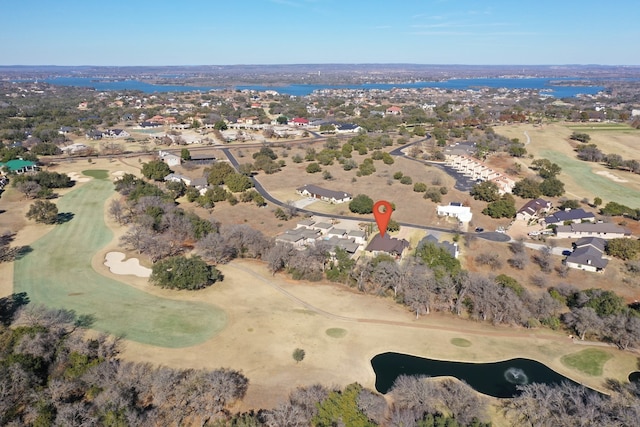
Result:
x=455 y=210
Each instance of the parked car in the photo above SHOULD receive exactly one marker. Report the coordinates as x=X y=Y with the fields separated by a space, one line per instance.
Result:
x=479 y=229
x=566 y=252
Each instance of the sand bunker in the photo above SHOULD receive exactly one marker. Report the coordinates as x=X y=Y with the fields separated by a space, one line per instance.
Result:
x=75 y=176
x=117 y=265
x=117 y=175
x=611 y=176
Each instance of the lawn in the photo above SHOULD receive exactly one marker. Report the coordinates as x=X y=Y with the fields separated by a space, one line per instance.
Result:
x=581 y=173
x=585 y=179
x=589 y=361
x=58 y=273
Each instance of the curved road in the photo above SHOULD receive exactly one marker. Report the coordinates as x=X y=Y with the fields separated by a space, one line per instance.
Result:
x=498 y=237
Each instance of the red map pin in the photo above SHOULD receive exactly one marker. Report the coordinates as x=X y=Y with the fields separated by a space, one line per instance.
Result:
x=382 y=216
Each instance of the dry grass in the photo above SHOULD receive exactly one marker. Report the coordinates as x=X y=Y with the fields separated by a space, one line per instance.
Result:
x=268 y=317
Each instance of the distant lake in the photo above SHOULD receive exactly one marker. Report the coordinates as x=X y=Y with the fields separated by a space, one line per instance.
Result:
x=544 y=84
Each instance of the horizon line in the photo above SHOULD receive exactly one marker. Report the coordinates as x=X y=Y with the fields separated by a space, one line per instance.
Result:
x=325 y=64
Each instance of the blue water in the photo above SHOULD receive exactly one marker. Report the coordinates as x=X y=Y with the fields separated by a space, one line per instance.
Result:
x=303 y=90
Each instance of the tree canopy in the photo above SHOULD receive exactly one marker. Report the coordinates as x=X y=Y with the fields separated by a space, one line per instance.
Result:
x=361 y=204
x=155 y=170
x=180 y=272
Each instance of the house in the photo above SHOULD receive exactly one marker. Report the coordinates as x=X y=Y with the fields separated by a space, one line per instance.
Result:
x=348 y=128
x=74 y=148
x=149 y=125
x=451 y=248
x=305 y=223
x=588 y=255
x=393 y=110
x=337 y=232
x=588 y=229
x=19 y=166
x=65 y=130
x=349 y=245
x=299 y=121
x=174 y=177
x=330 y=196
x=294 y=239
x=358 y=236
x=533 y=209
x=200 y=183
x=387 y=245
x=169 y=159
x=569 y=215
x=322 y=227
x=94 y=134
x=202 y=158
x=115 y=133
x=455 y=210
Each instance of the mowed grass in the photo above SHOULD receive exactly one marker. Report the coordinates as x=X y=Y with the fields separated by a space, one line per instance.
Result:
x=460 y=342
x=96 y=173
x=58 y=273
x=602 y=127
x=336 y=332
x=581 y=173
x=589 y=361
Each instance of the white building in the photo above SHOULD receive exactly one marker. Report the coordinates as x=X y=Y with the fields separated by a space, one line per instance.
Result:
x=455 y=210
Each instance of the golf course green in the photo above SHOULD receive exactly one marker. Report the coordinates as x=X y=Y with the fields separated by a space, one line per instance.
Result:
x=57 y=273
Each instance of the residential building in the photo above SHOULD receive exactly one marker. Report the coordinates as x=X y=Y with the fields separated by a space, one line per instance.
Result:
x=330 y=196
x=588 y=229
x=451 y=248
x=455 y=210
x=569 y=215
x=533 y=209
x=588 y=255
x=174 y=177
x=387 y=245
x=169 y=158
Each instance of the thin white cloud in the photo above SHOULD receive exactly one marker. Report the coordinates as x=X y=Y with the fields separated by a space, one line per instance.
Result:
x=473 y=34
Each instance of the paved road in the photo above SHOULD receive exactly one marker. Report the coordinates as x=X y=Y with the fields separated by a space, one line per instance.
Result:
x=268 y=197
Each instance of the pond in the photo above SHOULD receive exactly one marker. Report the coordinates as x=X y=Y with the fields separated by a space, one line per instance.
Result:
x=498 y=379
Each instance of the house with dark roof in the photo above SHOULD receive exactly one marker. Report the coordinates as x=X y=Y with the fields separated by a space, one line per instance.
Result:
x=533 y=209
x=320 y=193
x=387 y=245
x=588 y=255
x=588 y=229
x=347 y=128
x=569 y=215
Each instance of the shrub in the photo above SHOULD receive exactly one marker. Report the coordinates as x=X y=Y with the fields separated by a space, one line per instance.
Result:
x=313 y=168
x=419 y=187
x=406 y=180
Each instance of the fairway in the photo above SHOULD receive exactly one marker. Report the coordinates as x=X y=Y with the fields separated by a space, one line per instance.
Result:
x=581 y=173
x=58 y=273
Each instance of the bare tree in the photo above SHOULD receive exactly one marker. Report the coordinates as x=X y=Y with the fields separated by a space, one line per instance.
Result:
x=278 y=256
x=584 y=320
x=117 y=212
x=29 y=188
x=373 y=405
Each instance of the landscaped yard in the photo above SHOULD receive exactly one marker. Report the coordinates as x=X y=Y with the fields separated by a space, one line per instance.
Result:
x=58 y=273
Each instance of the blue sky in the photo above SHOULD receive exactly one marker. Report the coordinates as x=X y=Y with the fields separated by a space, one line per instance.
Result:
x=203 y=32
